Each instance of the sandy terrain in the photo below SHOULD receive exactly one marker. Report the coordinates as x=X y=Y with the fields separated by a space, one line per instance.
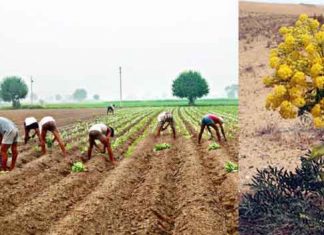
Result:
x=281 y=9
x=265 y=138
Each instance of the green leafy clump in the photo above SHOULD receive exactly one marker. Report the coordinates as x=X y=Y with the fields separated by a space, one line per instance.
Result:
x=285 y=202
x=68 y=146
x=78 y=167
x=213 y=146
x=49 y=142
x=159 y=147
x=231 y=167
x=37 y=149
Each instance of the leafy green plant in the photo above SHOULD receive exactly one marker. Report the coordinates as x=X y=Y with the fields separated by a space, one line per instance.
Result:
x=37 y=149
x=231 y=167
x=159 y=147
x=213 y=146
x=49 y=142
x=285 y=202
x=68 y=146
x=78 y=167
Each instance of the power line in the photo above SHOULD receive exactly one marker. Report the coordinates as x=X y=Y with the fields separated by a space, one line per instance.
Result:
x=120 y=86
x=31 y=90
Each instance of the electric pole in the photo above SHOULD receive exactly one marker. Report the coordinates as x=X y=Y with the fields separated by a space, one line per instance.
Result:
x=120 y=86
x=31 y=90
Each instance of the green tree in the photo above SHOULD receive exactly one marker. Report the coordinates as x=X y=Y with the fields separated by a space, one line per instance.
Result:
x=190 y=85
x=96 y=97
x=80 y=94
x=231 y=91
x=58 y=97
x=13 y=89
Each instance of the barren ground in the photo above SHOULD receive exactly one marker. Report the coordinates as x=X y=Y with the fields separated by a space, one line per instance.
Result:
x=266 y=138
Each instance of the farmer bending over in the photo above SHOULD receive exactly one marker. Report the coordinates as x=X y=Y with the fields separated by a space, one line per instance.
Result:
x=48 y=124
x=102 y=133
x=165 y=119
x=8 y=138
x=111 y=109
x=31 y=123
x=211 y=120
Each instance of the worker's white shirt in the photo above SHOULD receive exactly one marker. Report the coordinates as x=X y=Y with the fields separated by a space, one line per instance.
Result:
x=102 y=128
x=44 y=121
x=30 y=120
x=163 y=116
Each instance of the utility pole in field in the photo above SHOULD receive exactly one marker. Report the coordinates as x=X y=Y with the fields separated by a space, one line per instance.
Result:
x=31 y=90
x=120 y=86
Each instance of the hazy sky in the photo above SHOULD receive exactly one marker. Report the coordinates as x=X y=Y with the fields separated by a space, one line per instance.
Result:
x=80 y=44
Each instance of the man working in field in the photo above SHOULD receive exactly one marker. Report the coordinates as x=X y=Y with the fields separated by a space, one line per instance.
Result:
x=165 y=119
x=111 y=109
x=211 y=120
x=102 y=133
x=31 y=123
x=8 y=138
x=48 y=124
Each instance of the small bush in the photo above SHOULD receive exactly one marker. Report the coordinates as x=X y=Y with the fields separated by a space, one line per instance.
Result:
x=285 y=202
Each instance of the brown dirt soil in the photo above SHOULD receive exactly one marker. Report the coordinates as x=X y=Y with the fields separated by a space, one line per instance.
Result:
x=63 y=117
x=182 y=190
x=291 y=9
x=265 y=138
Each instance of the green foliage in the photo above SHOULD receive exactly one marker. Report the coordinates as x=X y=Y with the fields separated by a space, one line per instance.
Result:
x=78 y=167
x=285 y=202
x=58 y=97
x=190 y=85
x=96 y=97
x=159 y=147
x=213 y=146
x=231 y=167
x=49 y=142
x=80 y=94
x=13 y=89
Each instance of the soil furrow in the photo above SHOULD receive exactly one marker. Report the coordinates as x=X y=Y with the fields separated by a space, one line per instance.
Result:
x=222 y=184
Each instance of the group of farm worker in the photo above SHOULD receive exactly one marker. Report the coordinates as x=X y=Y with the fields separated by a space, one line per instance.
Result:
x=100 y=131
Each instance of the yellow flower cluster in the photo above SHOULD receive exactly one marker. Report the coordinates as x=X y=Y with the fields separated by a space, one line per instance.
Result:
x=298 y=78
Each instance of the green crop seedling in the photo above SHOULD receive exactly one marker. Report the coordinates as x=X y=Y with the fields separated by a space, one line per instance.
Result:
x=159 y=147
x=78 y=167
x=231 y=167
x=213 y=146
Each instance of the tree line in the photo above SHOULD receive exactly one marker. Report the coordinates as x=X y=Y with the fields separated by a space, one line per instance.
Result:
x=189 y=85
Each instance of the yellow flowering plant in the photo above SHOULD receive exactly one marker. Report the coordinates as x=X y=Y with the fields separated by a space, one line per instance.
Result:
x=298 y=77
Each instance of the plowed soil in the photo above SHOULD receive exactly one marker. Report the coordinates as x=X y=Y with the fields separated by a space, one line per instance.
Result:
x=181 y=190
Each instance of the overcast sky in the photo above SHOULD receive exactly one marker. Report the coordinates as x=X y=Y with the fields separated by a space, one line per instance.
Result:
x=73 y=44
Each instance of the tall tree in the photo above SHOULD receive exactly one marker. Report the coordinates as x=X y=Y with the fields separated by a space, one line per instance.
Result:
x=58 y=97
x=190 y=85
x=96 y=97
x=232 y=91
x=13 y=89
x=80 y=94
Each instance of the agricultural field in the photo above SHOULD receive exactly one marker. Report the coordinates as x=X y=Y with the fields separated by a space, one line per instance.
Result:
x=184 y=189
x=265 y=137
